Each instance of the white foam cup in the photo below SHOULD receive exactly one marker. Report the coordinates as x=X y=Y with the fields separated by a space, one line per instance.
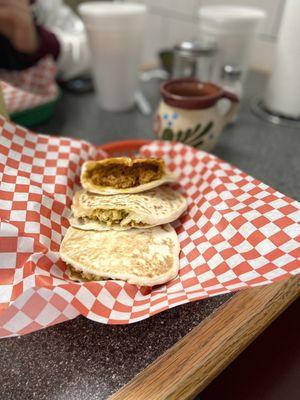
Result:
x=115 y=32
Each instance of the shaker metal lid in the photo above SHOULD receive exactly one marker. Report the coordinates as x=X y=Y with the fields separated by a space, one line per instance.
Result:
x=231 y=72
x=196 y=47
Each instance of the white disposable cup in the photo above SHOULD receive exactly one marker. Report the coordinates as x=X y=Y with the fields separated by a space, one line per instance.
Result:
x=282 y=93
x=115 y=33
x=233 y=28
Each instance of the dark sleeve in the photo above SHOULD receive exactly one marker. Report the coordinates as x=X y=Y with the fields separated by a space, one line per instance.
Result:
x=13 y=60
x=48 y=44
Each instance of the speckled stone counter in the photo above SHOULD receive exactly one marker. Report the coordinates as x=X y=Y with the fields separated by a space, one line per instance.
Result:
x=83 y=360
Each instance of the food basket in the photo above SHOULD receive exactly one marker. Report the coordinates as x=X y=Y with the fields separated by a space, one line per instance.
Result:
x=238 y=232
x=30 y=95
x=128 y=148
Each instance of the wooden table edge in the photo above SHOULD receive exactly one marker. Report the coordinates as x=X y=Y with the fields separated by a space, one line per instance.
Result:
x=194 y=361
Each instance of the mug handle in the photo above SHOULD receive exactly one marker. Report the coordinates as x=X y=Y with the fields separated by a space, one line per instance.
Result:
x=234 y=104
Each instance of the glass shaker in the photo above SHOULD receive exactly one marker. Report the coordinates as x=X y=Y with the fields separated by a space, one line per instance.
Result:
x=231 y=80
x=194 y=59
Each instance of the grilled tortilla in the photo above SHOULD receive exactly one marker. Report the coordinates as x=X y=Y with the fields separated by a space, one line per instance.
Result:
x=145 y=257
x=124 y=211
x=124 y=175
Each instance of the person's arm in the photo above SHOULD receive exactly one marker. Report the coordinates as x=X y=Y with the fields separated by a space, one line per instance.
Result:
x=55 y=17
x=22 y=42
x=19 y=39
x=16 y=24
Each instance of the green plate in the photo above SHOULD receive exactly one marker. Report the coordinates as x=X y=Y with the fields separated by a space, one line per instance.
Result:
x=36 y=115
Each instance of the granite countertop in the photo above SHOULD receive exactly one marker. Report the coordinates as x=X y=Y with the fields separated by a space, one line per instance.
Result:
x=81 y=359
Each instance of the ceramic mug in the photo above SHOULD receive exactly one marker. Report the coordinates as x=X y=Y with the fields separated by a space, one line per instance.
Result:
x=188 y=112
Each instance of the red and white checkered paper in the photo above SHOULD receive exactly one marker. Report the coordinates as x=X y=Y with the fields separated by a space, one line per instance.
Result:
x=23 y=90
x=237 y=233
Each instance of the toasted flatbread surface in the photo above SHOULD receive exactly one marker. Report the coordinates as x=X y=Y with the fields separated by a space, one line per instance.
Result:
x=144 y=257
x=124 y=175
x=154 y=207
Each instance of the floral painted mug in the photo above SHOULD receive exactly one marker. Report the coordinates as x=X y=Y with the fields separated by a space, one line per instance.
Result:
x=188 y=112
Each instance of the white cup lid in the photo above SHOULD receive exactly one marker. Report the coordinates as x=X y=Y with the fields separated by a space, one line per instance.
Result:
x=231 y=18
x=109 y=16
x=110 y=9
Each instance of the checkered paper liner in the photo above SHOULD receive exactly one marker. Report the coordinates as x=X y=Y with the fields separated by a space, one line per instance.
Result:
x=35 y=86
x=237 y=233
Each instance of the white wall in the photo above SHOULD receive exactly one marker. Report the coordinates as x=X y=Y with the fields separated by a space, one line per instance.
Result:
x=170 y=21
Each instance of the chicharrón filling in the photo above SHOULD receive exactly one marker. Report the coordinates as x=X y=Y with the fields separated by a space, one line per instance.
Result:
x=122 y=177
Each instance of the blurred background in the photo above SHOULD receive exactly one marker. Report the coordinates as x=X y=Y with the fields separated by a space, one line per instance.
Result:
x=172 y=21
x=115 y=49
x=220 y=41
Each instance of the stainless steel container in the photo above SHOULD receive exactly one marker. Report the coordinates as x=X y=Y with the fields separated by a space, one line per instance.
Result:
x=194 y=59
